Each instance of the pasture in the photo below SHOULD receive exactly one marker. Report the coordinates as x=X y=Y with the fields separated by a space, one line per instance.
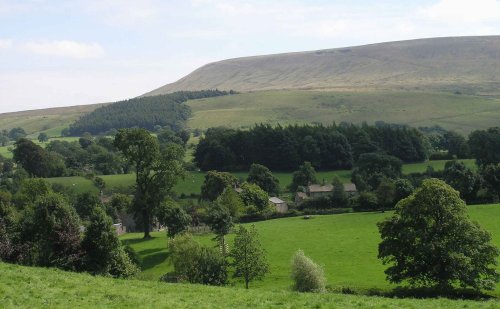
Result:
x=191 y=184
x=346 y=245
x=29 y=287
x=461 y=113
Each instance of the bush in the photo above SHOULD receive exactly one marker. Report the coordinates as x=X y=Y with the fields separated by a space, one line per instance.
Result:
x=307 y=276
x=367 y=201
x=195 y=263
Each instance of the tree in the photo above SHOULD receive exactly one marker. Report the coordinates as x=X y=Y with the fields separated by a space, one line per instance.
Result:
x=249 y=258
x=156 y=172
x=386 y=192
x=462 y=179
x=371 y=168
x=43 y=137
x=339 y=196
x=491 y=176
x=232 y=201
x=430 y=240
x=195 y=263
x=51 y=231
x=307 y=276
x=255 y=199
x=174 y=218
x=17 y=133
x=403 y=189
x=37 y=161
x=220 y=221
x=215 y=183
x=304 y=176
x=103 y=251
x=262 y=176
x=456 y=145
x=85 y=204
x=485 y=146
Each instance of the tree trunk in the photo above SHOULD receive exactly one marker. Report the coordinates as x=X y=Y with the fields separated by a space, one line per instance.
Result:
x=246 y=283
x=146 y=224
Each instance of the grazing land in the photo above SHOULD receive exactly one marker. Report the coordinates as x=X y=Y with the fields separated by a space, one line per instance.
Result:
x=50 y=120
x=191 y=184
x=461 y=113
x=29 y=287
x=345 y=244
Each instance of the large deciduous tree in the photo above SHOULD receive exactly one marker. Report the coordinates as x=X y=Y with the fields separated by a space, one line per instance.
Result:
x=156 y=172
x=215 y=183
x=262 y=176
x=304 y=176
x=430 y=241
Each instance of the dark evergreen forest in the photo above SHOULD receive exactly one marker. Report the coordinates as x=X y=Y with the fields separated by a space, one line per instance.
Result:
x=166 y=111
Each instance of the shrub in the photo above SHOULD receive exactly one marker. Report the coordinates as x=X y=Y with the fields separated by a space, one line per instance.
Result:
x=195 y=263
x=307 y=276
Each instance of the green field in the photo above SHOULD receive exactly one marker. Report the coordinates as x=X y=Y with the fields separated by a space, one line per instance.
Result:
x=345 y=244
x=193 y=180
x=454 y=112
x=49 y=120
x=29 y=287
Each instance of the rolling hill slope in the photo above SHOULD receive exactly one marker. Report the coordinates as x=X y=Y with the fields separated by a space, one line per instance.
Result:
x=465 y=64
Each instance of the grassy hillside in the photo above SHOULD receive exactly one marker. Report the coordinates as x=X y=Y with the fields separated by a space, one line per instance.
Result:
x=346 y=245
x=462 y=113
x=466 y=64
x=193 y=181
x=25 y=287
x=50 y=120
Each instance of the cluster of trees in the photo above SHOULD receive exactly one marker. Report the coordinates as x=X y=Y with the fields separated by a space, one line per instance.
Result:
x=88 y=155
x=285 y=148
x=41 y=227
x=203 y=264
x=13 y=134
x=143 y=112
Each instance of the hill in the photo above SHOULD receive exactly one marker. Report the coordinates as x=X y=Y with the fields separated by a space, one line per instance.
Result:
x=461 y=113
x=464 y=64
x=29 y=287
x=49 y=120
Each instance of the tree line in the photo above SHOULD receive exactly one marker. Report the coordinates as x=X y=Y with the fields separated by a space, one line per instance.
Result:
x=143 y=112
x=285 y=148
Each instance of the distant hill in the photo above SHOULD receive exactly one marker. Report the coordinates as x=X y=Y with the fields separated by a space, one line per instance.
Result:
x=458 y=64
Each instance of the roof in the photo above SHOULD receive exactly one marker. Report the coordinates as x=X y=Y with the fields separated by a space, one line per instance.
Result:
x=320 y=188
x=350 y=187
x=238 y=190
x=276 y=200
x=302 y=194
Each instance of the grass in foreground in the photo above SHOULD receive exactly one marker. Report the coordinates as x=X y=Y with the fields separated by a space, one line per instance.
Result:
x=29 y=287
x=346 y=245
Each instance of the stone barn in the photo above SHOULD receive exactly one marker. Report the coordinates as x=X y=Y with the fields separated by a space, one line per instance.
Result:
x=281 y=206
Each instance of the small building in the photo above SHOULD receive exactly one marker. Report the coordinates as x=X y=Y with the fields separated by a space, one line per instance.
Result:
x=281 y=206
x=120 y=229
x=350 y=188
x=315 y=191
x=300 y=197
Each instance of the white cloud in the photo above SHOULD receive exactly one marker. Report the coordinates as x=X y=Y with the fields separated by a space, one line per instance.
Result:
x=4 y=44
x=65 y=48
x=463 y=11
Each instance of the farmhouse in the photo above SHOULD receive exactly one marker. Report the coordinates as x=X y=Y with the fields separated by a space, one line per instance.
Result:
x=315 y=191
x=281 y=206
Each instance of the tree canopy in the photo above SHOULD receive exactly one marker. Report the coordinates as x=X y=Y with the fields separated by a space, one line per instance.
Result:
x=430 y=241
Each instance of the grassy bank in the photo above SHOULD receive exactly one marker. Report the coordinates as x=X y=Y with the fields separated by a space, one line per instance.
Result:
x=25 y=287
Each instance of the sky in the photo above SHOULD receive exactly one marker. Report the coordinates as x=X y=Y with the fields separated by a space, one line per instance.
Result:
x=63 y=53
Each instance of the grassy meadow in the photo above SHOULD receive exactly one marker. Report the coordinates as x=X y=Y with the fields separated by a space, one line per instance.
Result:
x=191 y=184
x=28 y=287
x=460 y=113
x=346 y=245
